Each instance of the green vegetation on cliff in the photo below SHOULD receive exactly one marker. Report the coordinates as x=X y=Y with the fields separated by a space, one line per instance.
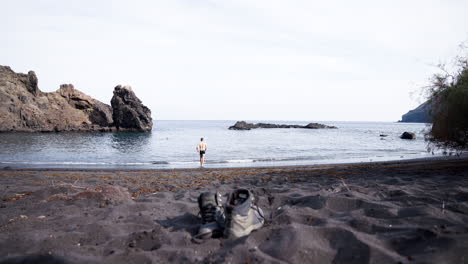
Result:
x=449 y=96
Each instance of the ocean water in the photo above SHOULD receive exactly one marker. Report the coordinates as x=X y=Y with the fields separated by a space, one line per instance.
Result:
x=172 y=145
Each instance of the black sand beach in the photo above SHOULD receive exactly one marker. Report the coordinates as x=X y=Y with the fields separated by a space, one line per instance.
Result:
x=388 y=212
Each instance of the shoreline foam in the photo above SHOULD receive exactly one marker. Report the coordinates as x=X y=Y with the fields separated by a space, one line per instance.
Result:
x=215 y=164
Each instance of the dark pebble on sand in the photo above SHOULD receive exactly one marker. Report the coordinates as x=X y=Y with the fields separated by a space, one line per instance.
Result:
x=179 y=196
x=271 y=199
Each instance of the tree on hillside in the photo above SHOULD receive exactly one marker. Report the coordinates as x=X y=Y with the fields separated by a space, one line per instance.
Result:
x=448 y=94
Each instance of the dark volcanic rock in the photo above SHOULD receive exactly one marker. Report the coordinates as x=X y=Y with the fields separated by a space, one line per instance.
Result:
x=128 y=111
x=421 y=114
x=317 y=126
x=98 y=112
x=242 y=125
x=23 y=107
x=31 y=83
x=408 y=135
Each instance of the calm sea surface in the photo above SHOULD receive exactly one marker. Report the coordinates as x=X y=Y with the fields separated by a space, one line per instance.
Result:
x=172 y=145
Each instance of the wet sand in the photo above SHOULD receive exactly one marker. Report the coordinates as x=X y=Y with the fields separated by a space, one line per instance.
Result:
x=389 y=212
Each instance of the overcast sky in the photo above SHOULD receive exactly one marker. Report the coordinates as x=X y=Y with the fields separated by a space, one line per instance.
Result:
x=244 y=59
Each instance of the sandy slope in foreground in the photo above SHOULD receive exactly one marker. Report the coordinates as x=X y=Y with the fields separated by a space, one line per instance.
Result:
x=408 y=212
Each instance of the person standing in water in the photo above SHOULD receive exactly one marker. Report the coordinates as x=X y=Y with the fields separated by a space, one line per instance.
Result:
x=201 y=148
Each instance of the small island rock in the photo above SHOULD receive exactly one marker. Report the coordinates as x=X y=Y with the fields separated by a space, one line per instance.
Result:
x=242 y=125
x=318 y=126
x=408 y=135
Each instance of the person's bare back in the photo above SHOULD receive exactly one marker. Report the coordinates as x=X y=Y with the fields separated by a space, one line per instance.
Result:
x=201 y=148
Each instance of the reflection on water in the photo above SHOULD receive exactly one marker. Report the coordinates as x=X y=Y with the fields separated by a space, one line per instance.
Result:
x=130 y=142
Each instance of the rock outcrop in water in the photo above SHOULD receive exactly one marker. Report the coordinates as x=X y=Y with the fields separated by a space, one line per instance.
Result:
x=24 y=107
x=128 y=111
x=242 y=125
x=408 y=135
x=421 y=114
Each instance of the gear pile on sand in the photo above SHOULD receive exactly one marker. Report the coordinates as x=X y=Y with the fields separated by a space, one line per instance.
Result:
x=237 y=218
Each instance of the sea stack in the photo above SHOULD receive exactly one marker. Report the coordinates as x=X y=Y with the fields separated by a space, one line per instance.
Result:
x=128 y=111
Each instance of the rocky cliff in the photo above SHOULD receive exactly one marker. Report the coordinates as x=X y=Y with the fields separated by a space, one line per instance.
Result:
x=421 y=114
x=24 y=107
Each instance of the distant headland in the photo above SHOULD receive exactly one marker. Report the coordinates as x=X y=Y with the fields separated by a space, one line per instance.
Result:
x=23 y=107
x=420 y=114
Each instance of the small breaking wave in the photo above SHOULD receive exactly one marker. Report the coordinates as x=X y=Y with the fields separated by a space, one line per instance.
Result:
x=162 y=162
x=155 y=163
x=256 y=162
x=230 y=161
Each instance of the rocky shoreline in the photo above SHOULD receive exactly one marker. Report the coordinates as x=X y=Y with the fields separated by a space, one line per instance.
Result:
x=242 y=125
x=25 y=108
